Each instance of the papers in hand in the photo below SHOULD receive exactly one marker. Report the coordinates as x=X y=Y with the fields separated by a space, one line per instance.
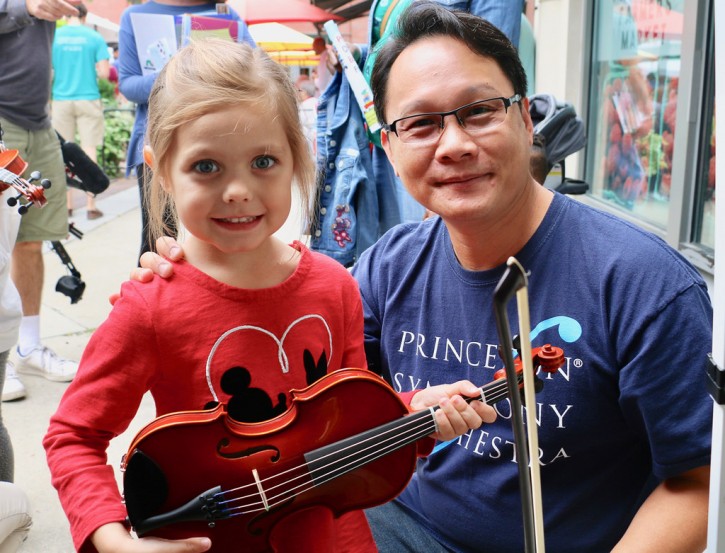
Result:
x=159 y=36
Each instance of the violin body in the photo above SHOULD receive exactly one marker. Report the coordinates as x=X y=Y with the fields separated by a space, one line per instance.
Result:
x=266 y=469
x=347 y=442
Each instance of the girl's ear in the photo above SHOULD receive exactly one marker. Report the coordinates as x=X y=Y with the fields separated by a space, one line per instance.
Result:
x=148 y=156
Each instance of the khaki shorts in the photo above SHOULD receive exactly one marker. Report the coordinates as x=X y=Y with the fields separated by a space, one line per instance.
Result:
x=41 y=150
x=84 y=117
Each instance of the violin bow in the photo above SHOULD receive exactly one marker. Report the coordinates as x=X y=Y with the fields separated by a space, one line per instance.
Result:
x=514 y=282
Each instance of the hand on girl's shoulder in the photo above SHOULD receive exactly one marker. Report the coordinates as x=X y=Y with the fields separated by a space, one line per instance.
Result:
x=155 y=263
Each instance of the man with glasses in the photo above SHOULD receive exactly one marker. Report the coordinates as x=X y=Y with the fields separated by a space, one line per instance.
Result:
x=624 y=425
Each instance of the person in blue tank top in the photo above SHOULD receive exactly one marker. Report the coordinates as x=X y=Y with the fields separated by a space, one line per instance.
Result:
x=625 y=424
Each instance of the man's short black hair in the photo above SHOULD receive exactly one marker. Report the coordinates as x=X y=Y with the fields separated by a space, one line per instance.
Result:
x=82 y=11
x=425 y=19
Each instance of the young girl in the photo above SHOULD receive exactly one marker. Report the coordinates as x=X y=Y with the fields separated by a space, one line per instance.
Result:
x=225 y=145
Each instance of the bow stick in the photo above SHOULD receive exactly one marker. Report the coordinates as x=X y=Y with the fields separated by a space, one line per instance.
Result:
x=512 y=282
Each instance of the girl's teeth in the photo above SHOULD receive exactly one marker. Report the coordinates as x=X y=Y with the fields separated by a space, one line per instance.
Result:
x=239 y=219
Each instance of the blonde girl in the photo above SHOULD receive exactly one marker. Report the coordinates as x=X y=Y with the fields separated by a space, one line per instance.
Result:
x=245 y=318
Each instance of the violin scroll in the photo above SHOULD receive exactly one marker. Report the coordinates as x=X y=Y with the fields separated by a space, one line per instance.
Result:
x=548 y=358
x=11 y=167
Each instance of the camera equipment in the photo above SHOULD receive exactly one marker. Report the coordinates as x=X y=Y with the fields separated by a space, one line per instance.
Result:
x=80 y=170
x=69 y=285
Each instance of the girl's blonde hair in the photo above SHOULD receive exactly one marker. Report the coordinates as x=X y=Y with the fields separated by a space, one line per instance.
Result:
x=203 y=77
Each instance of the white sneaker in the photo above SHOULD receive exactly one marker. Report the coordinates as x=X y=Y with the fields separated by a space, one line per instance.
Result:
x=13 y=388
x=43 y=361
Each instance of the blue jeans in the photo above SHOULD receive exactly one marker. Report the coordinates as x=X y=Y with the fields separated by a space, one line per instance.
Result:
x=395 y=531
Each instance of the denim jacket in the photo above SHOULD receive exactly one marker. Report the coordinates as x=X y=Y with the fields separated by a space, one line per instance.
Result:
x=359 y=196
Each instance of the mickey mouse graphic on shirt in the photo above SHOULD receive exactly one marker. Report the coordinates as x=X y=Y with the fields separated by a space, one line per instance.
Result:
x=250 y=403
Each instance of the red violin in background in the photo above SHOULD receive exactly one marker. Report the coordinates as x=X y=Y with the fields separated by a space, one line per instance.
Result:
x=11 y=167
x=347 y=442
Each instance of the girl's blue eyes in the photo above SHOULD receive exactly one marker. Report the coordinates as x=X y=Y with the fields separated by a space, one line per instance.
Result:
x=207 y=166
x=264 y=162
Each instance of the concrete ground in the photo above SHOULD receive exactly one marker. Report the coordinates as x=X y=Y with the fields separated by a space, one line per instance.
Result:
x=104 y=256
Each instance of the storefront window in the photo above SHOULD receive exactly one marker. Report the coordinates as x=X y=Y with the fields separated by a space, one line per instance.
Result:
x=705 y=226
x=703 y=232
x=635 y=74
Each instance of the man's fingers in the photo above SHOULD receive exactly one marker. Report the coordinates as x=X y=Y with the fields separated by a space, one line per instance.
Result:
x=455 y=417
x=485 y=411
x=155 y=264
x=141 y=274
x=169 y=248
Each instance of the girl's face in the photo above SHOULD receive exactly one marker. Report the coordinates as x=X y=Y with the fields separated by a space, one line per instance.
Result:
x=230 y=173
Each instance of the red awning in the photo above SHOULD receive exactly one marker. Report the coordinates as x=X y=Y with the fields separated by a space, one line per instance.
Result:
x=280 y=11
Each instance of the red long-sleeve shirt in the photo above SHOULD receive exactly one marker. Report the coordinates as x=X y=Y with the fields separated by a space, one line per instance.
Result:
x=168 y=337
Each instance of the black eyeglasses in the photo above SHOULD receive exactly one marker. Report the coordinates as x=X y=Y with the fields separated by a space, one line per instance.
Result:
x=476 y=117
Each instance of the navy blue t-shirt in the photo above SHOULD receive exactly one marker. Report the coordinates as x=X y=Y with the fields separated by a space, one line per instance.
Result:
x=628 y=409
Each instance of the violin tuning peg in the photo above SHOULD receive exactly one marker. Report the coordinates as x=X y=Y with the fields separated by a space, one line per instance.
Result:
x=35 y=175
x=45 y=183
x=23 y=209
x=13 y=201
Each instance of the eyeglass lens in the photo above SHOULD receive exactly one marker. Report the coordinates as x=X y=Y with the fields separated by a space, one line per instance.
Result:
x=475 y=118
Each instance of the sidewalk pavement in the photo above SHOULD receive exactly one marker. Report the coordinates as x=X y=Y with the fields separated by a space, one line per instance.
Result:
x=104 y=256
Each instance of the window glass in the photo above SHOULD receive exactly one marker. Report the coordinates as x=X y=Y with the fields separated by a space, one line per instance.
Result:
x=705 y=229
x=703 y=233
x=635 y=74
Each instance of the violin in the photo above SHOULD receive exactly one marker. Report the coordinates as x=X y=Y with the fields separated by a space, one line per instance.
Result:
x=11 y=167
x=347 y=442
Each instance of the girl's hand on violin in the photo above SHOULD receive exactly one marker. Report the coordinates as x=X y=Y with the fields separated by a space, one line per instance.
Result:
x=455 y=416
x=114 y=538
x=52 y=10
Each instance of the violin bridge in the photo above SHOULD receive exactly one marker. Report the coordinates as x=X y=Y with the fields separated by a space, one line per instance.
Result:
x=261 y=490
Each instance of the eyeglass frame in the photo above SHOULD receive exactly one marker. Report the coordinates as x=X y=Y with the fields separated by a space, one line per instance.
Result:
x=507 y=103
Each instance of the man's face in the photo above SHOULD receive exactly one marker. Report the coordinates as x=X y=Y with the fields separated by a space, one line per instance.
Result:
x=459 y=176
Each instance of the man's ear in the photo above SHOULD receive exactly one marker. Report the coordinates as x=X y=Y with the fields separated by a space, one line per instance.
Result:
x=148 y=156
x=526 y=114
x=385 y=141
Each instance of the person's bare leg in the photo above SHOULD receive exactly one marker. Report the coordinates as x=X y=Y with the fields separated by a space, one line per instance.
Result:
x=26 y=271
x=92 y=153
x=90 y=202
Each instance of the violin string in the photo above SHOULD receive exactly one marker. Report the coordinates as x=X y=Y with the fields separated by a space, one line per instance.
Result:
x=494 y=392
x=14 y=179
x=365 y=456
x=427 y=428
x=497 y=391
x=304 y=474
x=339 y=469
